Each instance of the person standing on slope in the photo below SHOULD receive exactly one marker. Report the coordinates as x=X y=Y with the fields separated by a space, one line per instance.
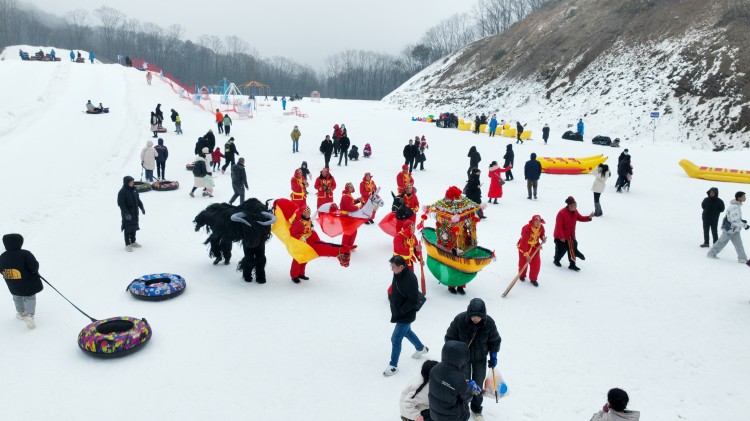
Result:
x=474 y=159
x=239 y=181
x=325 y=185
x=519 y=132
x=731 y=229
x=299 y=189
x=161 y=159
x=509 y=158
x=565 y=233
x=129 y=203
x=344 y=144
x=154 y=124
x=175 y=117
x=20 y=269
x=348 y=204
x=326 y=147
x=545 y=133
x=148 y=160
x=496 y=181
x=219 y=120
x=532 y=171
x=159 y=115
x=601 y=175
x=366 y=188
x=493 y=125
x=227 y=124
x=403 y=179
x=712 y=209
x=409 y=154
x=579 y=127
x=479 y=332
x=230 y=151
x=295 y=139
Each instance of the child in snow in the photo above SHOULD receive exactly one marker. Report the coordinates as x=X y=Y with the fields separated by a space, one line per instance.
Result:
x=208 y=181
x=414 y=403
x=354 y=153
x=305 y=170
x=216 y=159
x=367 y=151
x=227 y=124
x=614 y=409
x=20 y=270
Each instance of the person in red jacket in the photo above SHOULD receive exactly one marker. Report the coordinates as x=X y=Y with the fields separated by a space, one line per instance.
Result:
x=349 y=204
x=530 y=244
x=216 y=159
x=405 y=244
x=403 y=178
x=299 y=189
x=302 y=229
x=337 y=133
x=220 y=121
x=410 y=201
x=325 y=184
x=366 y=188
x=565 y=233
x=496 y=181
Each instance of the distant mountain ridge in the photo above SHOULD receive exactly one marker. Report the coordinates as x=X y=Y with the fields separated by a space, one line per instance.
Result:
x=607 y=60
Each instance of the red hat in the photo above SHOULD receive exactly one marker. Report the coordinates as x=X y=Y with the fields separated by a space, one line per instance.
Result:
x=404 y=167
x=537 y=217
x=570 y=200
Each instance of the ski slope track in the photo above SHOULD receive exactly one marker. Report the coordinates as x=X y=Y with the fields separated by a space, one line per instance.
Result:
x=648 y=312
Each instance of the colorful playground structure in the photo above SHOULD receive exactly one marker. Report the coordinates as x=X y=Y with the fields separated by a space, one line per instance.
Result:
x=715 y=174
x=570 y=165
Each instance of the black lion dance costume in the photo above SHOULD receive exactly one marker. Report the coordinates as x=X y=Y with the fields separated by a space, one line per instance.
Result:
x=250 y=223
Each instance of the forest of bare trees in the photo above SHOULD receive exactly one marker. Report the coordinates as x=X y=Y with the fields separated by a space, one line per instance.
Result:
x=353 y=74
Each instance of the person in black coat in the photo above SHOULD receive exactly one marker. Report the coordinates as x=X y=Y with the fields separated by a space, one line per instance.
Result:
x=200 y=144
x=519 y=132
x=474 y=159
x=450 y=390
x=477 y=123
x=239 y=181
x=129 y=203
x=509 y=158
x=532 y=171
x=326 y=147
x=712 y=209
x=230 y=150
x=161 y=159
x=159 y=115
x=344 y=144
x=404 y=298
x=473 y=190
x=20 y=270
x=545 y=133
x=479 y=331
x=409 y=155
x=623 y=170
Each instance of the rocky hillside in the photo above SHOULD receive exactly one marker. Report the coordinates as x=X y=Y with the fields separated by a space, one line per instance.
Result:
x=611 y=63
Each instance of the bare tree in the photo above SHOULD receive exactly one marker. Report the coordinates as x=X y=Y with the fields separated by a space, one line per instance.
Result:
x=76 y=24
x=110 y=21
x=449 y=35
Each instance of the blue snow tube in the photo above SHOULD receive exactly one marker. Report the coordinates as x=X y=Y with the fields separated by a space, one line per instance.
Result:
x=157 y=287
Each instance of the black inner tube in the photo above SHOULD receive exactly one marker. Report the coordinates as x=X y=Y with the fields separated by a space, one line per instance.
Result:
x=114 y=326
x=158 y=281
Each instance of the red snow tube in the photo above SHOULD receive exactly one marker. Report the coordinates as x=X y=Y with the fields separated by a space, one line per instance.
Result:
x=165 y=185
x=563 y=170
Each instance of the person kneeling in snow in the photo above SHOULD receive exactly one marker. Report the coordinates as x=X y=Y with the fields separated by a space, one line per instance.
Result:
x=614 y=409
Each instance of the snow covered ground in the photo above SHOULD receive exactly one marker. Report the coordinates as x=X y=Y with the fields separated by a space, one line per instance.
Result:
x=648 y=312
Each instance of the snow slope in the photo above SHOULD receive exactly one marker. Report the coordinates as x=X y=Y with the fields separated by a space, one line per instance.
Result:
x=648 y=312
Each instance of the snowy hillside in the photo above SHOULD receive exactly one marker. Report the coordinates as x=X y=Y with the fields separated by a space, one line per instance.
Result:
x=648 y=312
x=608 y=63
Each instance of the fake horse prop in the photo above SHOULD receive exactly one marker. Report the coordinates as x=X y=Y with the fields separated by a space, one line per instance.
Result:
x=391 y=223
x=335 y=222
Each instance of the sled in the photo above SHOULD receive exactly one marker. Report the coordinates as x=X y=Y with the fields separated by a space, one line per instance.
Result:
x=715 y=174
x=102 y=111
x=161 y=130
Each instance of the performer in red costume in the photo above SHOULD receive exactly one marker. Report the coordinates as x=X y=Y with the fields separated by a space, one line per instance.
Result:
x=302 y=229
x=299 y=189
x=405 y=244
x=366 y=188
x=348 y=204
x=403 y=178
x=325 y=184
x=532 y=238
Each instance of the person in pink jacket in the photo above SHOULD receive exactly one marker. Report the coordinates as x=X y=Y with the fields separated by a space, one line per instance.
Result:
x=496 y=181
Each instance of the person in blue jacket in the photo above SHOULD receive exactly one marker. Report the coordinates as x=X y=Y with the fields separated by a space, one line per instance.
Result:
x=493 y=125
x=283 y=103
x=580 y=126
x=72 y=56
x=52 y=54
x=91 y=57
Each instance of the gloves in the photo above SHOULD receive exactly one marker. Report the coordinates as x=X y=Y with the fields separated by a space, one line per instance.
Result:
x=143 y=211
x=474 y=388
x=493 y=360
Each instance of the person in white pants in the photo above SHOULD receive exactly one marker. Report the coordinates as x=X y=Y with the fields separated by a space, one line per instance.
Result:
x=731 y=228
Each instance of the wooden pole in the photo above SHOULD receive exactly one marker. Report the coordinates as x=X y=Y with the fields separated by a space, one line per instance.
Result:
x=523 y=269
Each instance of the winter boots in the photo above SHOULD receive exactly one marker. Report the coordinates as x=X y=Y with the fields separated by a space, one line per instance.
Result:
x=598 y=209
x=344 y=259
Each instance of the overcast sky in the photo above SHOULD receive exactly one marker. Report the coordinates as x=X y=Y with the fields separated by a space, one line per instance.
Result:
x=306 y=31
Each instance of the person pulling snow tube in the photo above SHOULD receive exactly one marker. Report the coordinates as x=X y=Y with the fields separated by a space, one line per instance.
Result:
x=142 y=186
x=157 y=287
x=114 y=337
x=165 y=185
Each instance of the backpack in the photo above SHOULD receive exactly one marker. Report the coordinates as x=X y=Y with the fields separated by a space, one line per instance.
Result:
x=725 y=224
x=199 y=169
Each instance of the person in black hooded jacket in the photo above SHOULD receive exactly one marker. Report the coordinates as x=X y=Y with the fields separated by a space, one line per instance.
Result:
x=129 y=203
x=450 y=391
x=200 y=144
x=473 y=190
x=509 y=157
x=712 y=209
x=474 y=159
x=20 y=270
x=479 y=331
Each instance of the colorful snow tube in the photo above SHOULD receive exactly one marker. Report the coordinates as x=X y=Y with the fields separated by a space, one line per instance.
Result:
x=142 y=186
x=570 y=165
x=715 y=174
x=114 y=337
x=165 y=185
x=157 y=287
